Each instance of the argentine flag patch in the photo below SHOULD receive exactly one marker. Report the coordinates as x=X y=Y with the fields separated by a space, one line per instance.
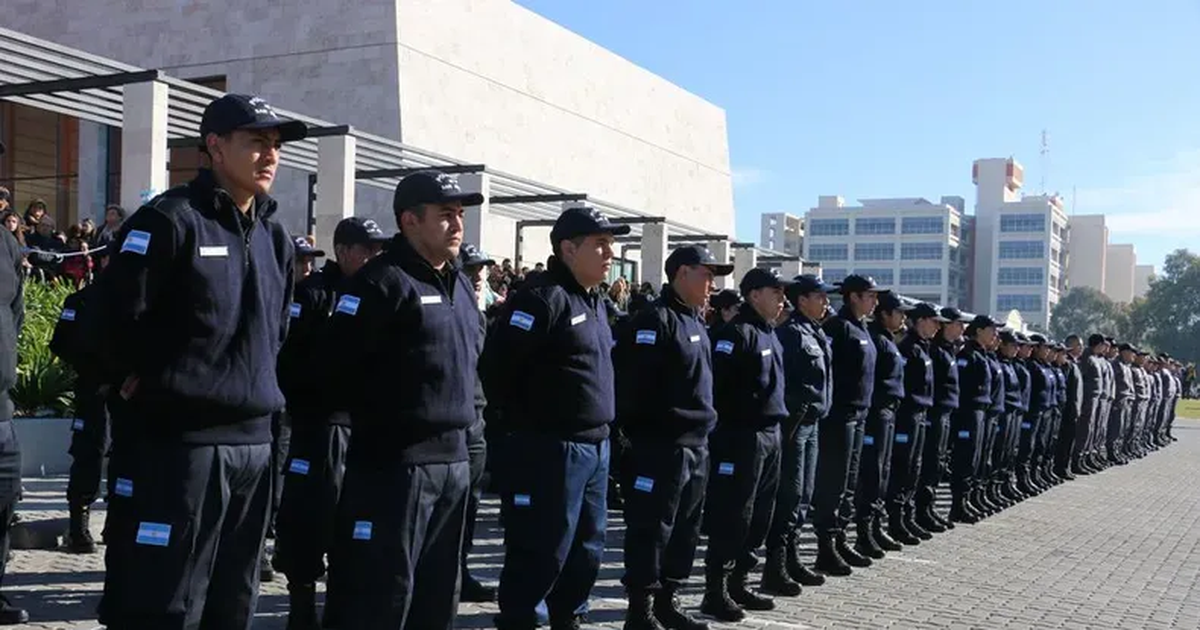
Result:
x=68 y=315
x=294 y=310
x=962 y=363
x=522 y=320
x=137 y=242
x=348 y=304
x=1026 y=426
x=299 y=466
x=964 y=435
x=902 y=438
x=868 y=440
x=362 y=530
x=123 y=487
x=643 y=484
x=77 y=425
x=522 y=500
x=725 y=468
x=153 y=534
x=725 y=346
x=647 y=337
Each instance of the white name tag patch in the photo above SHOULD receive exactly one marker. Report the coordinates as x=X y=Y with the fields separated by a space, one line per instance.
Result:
x=431 y=299
x=863 y=342
x=214 y=251
x=579 y=319
x=766 y=352
x=694 y=339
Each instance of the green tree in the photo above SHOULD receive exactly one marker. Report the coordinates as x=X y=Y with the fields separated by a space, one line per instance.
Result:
x=1169 y=318
x=1083 y=311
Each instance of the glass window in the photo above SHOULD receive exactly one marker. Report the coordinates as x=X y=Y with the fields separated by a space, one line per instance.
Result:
x=922 y=225
x=921 y=251
x=824 y=252
x=1022 y=223
x=874 y=226
x=1025 y=303
x=1021 y=250
x=833 y=275
x=875 y=251
x=926 y=297
x=829 y=227
x=885 y=277
x=921 y=276
x=1020 y=276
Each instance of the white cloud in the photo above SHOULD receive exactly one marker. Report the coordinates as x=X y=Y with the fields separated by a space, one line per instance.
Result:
x=748 y=176
x=1163 y=202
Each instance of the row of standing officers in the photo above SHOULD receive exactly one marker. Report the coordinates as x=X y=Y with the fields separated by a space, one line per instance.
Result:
x=748 y=430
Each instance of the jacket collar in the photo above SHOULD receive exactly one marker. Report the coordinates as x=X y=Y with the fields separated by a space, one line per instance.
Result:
x=561 y=274
x=402 y=252
x=670 y=298
x=215 y=201
x=746 y=313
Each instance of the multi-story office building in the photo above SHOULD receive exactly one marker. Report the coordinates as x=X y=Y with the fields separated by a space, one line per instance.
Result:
x=1142 y=275
x=782 y=232
x=1020 y=252
x=1088 y=247
x=1121 y=271
x=911 y=244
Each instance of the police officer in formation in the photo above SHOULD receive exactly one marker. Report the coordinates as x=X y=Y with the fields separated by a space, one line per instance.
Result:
x=12 y=317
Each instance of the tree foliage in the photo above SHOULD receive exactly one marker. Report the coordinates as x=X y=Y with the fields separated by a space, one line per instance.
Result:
x=1169 y=318
x=1083 y=311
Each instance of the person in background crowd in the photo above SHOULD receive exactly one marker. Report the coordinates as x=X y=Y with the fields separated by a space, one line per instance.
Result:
x=306 y=257
x=748 y=393
x=841 y=436
x=619 y=293
x=408 y=330
x=35 y=211
x=967 y=425
x=87 y=230
x=195 y=310
x=47 y=247
x=77 y=268
x=320 y=430
x=911 y=424
x=5 y=200
x=665 y=404
x=807 y=366
x=547 y=370
x=12 y=316
x=475 y=265
x=114 y=216
x=723 y=306
x=12 y=224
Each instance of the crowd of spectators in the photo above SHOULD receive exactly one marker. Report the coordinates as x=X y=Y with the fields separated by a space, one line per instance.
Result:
x=58 y=255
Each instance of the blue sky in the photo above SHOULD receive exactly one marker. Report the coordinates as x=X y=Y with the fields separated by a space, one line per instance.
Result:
x=875 y=98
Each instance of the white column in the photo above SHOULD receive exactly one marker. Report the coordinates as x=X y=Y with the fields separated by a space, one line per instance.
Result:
x=92 y=171
x=654 y=253
x=720 y=251
x=744 y=259
x=790 y=269
x=475 y=218
x=143 y=143
x=335 y=186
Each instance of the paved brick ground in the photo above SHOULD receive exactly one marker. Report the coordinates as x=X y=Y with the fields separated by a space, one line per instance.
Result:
x=1115 y=550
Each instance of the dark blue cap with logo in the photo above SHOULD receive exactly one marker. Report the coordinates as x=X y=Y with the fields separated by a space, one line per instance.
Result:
x=855 y=283
x=983 y=321
x=807 y=284
x=724 y=299
x=304 y=248
x=470 y=256
x=762 y=279
x=925 y=310
x=242 y=111
x=693 y=255
x=584 y=221
x=358 y=231
x=432 y=186
x=953 y=314
x=890 y=301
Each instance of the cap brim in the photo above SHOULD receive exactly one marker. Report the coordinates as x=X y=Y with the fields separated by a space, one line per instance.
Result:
x=720 y=270
x=478 y=262
x=289 y=130
x=312 y=253
x=467 y=199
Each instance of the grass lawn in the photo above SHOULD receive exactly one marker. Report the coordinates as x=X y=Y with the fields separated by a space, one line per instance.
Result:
x=1188 y=409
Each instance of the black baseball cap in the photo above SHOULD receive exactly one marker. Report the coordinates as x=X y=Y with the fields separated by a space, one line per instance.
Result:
x=692 y=255
x=1096 y=339
x=724 y=299
x=983 y=321
x=584 y=221
x=925 y=310
x=470 y=256
x=855 y=283
x=242 y=111
x=358 y=231
x=807 y=284
x=1010 y=337
x=431 y=186
x=762 y=279
x=1021 y=338
x=953 y=314
x=1037 y=339
x=890 y=301
x=304 y=248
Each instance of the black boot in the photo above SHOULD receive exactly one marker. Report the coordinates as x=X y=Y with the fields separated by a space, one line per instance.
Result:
x=864 y=542
x=717 y=603
x=927 y=520
x=79 y=533
x=980 y=500
x=829 y=561
x=959 y=512
x=775 y=578
x=640 y=616
x=797 y=570
x=852 y=557
x=266 y=571
x=670 y=614
x=997 y=497
x=746 y=598
x=11 y=615
x=473 y=590
x=899 y=531
x=909 y=521
x=885 y=542
x=302 y=607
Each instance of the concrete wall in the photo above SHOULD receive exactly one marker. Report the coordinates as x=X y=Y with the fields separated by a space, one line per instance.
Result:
x=1142 y=275
x=1119 y=281
x=1088 y=245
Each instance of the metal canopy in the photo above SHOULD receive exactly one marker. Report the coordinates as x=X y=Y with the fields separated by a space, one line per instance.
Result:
x=51 y=77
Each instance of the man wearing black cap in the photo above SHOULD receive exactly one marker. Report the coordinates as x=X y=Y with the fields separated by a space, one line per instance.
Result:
x=407 y=329
x=841 y=434
x=475 y=265
x=548 y=373
x=316 y=461
x=967 y=424
x=1123 y=395
x=1066 y=454
x=748 y=393
x=195 y=310
x=934 y=459
x=983 y=492
x=924 y=321
x=665 y=405
x=1002 y=482
x=1141 y=383
x=1041 y=402
x=807 y=366
x=880 y=428
x=1092 y=377
x=723 y=307
x=12 y=316
x=1050 y=434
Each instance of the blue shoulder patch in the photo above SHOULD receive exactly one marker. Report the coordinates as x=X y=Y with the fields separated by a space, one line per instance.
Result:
x=522 y=320
x=136 y=242
x=348 y=304
x=724 y=346
x=647 y=337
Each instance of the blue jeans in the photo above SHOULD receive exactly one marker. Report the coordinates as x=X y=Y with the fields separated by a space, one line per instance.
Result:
x=797 y=478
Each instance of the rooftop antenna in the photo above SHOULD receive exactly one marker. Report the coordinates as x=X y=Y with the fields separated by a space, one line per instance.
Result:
x=1045 y=158
x=1074 y=199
